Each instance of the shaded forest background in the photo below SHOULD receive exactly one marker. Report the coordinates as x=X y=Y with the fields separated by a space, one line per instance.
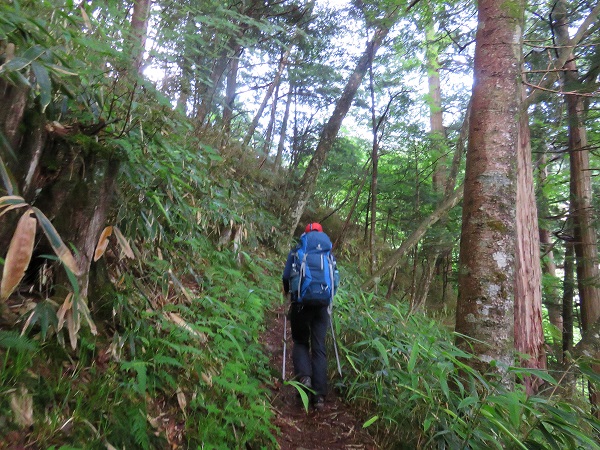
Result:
x=157 y=159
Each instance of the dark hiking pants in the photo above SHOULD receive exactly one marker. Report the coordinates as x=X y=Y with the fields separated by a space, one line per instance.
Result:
x=309 y=327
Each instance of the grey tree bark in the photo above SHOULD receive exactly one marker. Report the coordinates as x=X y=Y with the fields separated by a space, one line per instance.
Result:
x=283 y=130
x=271 y=126
x=487 y=250
x=139 y=30
x=230 y=91
x=374 y=175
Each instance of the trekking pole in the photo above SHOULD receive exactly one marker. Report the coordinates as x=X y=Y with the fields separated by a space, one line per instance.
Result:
x=337 y=357
x=284 y=346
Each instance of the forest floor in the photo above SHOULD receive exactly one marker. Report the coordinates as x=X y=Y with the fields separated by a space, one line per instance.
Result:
x=334 y=427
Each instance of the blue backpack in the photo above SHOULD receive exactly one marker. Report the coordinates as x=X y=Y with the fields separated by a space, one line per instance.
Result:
x=314 y=274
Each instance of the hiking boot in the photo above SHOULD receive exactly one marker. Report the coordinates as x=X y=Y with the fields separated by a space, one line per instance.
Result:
x=306 y=382
x=319 y=402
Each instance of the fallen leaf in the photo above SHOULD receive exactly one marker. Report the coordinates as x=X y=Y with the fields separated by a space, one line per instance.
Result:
x=18 y=255
x=21 y=404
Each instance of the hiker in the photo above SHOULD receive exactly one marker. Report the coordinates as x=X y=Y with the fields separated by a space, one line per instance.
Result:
x=310 y=278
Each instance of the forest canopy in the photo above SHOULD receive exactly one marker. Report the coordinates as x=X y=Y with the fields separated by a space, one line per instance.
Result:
x=157 y=160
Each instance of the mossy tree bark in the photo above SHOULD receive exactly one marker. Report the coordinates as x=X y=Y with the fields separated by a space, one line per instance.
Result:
x=487 y=248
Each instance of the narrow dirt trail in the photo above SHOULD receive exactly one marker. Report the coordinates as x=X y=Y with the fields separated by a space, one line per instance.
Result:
x=334 y=427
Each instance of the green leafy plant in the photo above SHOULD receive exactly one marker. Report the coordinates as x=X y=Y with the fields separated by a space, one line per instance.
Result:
x=405 y=369
x=301 y=389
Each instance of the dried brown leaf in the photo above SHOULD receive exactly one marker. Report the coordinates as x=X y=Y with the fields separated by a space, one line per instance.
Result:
x=73 y=326
x=62 y=311
x=102 y=243
x=11 y=207
x=153 y=421
x=180 y=285
x=27 y=322
x=21 y=404
x=207 y=378
x=85 y=312
x=179 y=321
x=86 y=18
x=124 y=243
x=65 y=255
x=182 y=401
x=18 y=255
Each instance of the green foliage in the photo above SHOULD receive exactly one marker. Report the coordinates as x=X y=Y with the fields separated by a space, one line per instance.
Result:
x=16 y=353
x=199 y=358
x=180 y=347
x=405 y=369
x=49 y=51
x=302 y=391
x=44 y=315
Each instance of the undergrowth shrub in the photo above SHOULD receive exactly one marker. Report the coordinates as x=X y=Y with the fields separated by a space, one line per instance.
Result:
x=404 y=369
x=177 y=359
x=203 y=355
x=179 y=363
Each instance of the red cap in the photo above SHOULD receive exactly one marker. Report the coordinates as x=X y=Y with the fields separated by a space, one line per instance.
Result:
x=313 y=227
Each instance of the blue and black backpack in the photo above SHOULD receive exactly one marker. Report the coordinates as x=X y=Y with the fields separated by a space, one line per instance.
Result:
x=314 y=277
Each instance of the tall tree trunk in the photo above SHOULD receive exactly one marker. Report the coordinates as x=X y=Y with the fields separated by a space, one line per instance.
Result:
x=15 y=97
x=283 y=130
x=550 y=290
x=227 y=51
x=458 y=152
x=139 y=31
x=529 y=334
x=567 y=300
x=487 y=248
x=330 y=130
x=367 y=219
x=374 y=169
x=420 y=296
x=344 y=230
x=435 y=251
x=207 y=92
x=436 y=132
x=184 y=95
x=230 y=91
x=586 y=250
x=271 y=125
x=274 y=84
